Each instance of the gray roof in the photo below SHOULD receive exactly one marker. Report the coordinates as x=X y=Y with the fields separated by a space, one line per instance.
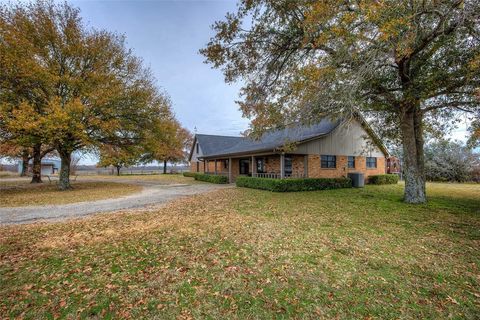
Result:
x=212 y=144
x=271 y=140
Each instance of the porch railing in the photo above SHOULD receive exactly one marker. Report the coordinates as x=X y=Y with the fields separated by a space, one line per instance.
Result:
x=275 y=175
x=270 y=175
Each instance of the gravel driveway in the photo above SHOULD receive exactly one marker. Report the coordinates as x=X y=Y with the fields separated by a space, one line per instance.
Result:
x=152 y=194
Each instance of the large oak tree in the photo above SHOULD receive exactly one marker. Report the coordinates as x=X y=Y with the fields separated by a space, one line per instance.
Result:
x=412 y=65
x=71 y=86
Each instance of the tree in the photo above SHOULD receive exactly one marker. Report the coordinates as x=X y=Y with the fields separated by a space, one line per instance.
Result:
x=167 y=142
x=16 y=151
x=68 y=86
x=118 y=157
x=74 y=164
x=412 y=65
x=450 y=161
x=11 y=151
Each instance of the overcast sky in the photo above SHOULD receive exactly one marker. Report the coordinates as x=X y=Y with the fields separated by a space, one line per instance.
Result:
x=167 y=36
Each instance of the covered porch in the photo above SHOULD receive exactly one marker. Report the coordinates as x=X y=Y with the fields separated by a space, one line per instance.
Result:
x=273 y=166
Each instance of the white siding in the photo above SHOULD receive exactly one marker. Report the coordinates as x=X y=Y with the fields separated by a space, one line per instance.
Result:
x=47 y=170
x=195 y=155
x=349 y=139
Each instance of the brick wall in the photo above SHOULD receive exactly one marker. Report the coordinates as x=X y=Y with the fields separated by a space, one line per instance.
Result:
x=220 y=166
x=235 y=169
x=298 y=165
x=272 y=165
x=193 y=166
x=210 y=166
x=315 y=170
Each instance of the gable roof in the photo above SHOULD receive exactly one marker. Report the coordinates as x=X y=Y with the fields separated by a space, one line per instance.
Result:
x=215 y=146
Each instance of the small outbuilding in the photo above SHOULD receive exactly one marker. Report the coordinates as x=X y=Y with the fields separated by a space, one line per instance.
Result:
x=49 y=166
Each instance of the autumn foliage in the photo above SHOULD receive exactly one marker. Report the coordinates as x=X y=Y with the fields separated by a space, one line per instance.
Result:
x=412 y=66
x=74 y=88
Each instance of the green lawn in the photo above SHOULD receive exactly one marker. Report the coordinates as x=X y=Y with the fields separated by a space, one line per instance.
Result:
x=240 y=253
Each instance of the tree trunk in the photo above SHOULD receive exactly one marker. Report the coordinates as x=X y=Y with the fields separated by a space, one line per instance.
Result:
x=37 y=164
x=25 y=160
x=412 y=139
x=164 y=166
x=118 y=170
x=64 y=179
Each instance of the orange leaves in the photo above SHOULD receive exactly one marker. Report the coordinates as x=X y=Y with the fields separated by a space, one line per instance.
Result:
x=80 y=88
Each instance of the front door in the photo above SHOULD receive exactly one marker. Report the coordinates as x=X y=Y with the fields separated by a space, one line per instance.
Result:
x=288 y=166
x=260 y=165
x=244 y=166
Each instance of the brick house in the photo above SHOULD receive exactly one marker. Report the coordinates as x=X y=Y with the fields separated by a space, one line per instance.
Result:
x=330 y=148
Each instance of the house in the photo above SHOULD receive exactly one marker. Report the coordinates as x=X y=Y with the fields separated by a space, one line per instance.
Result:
x=330 y=148
x=49 y=166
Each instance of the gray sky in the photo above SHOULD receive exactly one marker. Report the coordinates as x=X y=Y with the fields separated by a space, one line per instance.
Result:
x=167 y=36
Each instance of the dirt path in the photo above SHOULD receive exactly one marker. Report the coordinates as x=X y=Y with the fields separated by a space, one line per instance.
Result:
x=152 y=194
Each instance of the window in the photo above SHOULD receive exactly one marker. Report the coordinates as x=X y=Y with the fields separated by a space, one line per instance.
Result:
x=351 y=162
x=260 y=165
x=371 y=162
x=196 y=147
x=288 y=166
x=198 y=166
x=225 y=164
x=244 y=166
x=329 y=162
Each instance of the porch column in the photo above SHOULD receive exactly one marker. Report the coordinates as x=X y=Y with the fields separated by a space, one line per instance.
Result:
x=215 y=166
x=282 y=165
x=204 y=166
x=305 y=166
x=254 y=167
x=230 y=170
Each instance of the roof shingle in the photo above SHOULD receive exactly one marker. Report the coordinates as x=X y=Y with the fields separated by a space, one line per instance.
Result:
x=223 y=145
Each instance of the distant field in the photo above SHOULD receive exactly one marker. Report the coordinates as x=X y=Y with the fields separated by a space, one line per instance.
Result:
x=251 y=254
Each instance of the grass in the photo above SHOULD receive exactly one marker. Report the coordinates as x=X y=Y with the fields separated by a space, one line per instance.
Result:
x=8 y=174
x=22 y=193
x=243 y=253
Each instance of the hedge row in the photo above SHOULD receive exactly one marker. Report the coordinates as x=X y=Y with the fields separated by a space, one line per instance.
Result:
x=189 y=174
x=211 y=178
x=383 y=179
x=289 y=185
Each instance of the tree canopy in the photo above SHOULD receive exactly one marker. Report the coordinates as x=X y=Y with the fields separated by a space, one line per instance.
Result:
x=450 y=161
x=413 y=66
x=70 y=86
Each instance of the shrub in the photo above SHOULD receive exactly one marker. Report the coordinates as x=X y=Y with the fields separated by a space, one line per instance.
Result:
x=211 y=178
x=290 y=185
x=189 y=174
x=383 y=179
